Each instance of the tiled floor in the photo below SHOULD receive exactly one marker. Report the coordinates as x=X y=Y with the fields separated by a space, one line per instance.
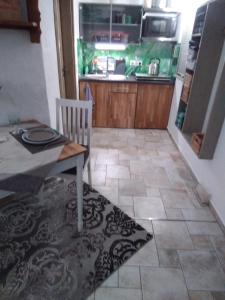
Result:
x=143 y=173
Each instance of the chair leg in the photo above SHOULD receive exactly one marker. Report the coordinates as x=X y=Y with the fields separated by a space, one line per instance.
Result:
x=89 y=171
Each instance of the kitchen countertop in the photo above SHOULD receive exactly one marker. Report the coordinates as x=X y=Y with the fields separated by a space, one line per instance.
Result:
x=121 y=78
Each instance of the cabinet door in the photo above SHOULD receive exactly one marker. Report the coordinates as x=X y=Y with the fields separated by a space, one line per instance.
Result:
x=95 y=22
x=93 y=92
x=126 y=23
x=153 y=106
x=121 y=110
x=101 y=104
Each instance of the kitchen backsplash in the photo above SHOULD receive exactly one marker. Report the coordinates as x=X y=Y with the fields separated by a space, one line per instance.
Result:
x=166 y=52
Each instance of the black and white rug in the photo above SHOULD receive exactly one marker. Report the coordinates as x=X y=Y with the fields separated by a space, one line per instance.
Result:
x=43 y=257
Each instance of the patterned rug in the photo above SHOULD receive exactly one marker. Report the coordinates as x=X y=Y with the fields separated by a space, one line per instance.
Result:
x=43 y=257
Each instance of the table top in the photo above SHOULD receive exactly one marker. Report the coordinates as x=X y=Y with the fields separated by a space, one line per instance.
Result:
x=14 y=158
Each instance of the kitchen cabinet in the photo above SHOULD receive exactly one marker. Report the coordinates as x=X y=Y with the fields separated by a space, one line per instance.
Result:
x=110 y=23
x=122 y=105
x=129 y=105
x=153 y=106
x=95 y=22
x=100 y=94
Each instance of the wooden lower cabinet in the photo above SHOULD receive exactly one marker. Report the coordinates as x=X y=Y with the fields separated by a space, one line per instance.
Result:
x=121 y=110
x=122 y=105
x=129 y=105
x=100 y=94
x=153 y=106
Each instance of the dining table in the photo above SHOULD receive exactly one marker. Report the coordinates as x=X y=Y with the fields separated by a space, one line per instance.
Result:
x=22 y=171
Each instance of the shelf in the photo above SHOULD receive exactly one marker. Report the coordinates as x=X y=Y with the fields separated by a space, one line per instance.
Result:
x=126 y=25
x=18 y=25
x=196 y=35
x=95 y=23
x=190 y=71
x=185 y=103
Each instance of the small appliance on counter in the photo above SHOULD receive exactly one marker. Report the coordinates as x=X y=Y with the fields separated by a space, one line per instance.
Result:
x=147 y=77
x=153 y=69
x=120 y=66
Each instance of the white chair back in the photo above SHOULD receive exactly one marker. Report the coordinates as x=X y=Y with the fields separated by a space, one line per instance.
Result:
x=74 y=120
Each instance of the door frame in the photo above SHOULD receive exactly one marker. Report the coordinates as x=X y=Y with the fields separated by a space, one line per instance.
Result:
x=64 y=32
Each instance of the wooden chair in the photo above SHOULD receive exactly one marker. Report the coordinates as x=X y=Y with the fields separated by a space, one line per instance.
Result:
x=74 y=120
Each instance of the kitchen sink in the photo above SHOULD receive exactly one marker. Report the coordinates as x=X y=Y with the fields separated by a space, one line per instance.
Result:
x=95 y=76
x=116 y=77
x=105 y=76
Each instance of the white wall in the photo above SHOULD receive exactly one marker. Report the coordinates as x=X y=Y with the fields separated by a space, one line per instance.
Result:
x=28 y=71
x=49 y=52
x=210 y=173
x=22 y=77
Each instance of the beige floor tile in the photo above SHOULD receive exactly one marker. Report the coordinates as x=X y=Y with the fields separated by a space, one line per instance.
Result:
x=131 y=187
x=112 y=182
x=197 y=214
x=117 y=171
x=200 y=295
x=168 y=258
x=204 y=228
x=98 y=177
x=135 y=142
x=107 y=159
x=218 y=295
x=129 y=277
x=100 y=167
x=110 y=192
x=158 y=178
x=202 y=270
x=174 y=214
x=202 y=242
x=219 y=245
x=176 y=198
x=141 y=167
x=153 y=192
x=172 y=235
x=146 y=224
x=149 y=208
x=112 y=280
x=163 y=284
x=118 y=294
x=128 y=153
x=127 y=209
x=187 y=176
x=126 y=200
x=146 y=256
x=91 y=297
x=125 y=163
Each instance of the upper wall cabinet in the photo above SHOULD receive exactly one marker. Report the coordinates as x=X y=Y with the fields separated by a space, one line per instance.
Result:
x=110 y=23
x=95 y=22
x=23 y=15
x=126 y=23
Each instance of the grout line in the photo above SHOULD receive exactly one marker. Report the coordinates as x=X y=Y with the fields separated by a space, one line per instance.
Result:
x=181 y=268
x=142 y=295
x=154 y=237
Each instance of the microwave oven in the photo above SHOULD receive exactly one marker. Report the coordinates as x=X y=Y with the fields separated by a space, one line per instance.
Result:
x=162 y=26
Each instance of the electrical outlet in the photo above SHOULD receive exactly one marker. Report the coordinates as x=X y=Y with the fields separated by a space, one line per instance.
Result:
x=133 y=63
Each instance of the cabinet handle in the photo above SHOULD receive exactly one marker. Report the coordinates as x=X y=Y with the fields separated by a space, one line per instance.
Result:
x=118 y=90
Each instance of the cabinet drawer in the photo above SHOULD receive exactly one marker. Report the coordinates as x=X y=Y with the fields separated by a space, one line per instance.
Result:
x=124 y=88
